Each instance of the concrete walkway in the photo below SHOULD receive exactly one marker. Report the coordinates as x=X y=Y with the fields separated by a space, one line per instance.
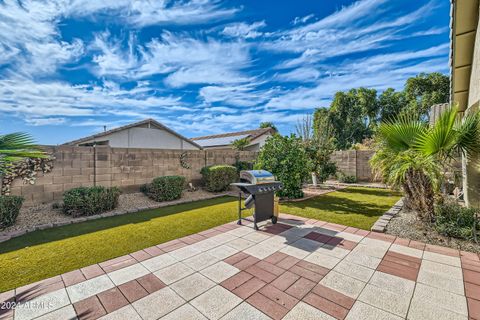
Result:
x=296 y=269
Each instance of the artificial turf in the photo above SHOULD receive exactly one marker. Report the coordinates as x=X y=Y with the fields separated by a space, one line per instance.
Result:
x=43 y=254
x=355 y=207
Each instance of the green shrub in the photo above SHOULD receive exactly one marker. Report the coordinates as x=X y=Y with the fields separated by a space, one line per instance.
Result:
x=9 y=209
x=286 y=158
x=243 y=165
x=165 y=188
x=90 y=200
x=218 y=178
x=342 y=177
x=453 y=220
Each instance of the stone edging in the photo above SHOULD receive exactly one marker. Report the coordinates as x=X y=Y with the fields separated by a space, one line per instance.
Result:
x=382 y=222
x=5 y=236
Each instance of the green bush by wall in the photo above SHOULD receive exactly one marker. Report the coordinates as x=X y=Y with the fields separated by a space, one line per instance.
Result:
x=218 y=178
x=90 y=200
x=165 y=188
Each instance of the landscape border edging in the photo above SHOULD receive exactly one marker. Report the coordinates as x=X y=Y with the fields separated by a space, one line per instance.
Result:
x=381 y=224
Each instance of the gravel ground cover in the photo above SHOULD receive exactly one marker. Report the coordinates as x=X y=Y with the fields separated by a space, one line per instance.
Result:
x=406 y=225
x=48 y=213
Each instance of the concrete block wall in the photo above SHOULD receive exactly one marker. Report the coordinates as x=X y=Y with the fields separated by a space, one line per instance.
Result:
x=126 y=168
x=354 y=163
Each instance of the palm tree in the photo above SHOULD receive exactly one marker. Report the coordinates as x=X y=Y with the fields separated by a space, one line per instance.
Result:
x=241 y=144
x=14 y=147
x=413 y=155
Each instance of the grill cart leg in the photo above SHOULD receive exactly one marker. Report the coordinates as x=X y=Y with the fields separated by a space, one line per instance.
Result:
x=239 y=222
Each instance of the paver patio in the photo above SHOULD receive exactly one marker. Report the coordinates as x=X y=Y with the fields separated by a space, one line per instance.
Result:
x=296 y=269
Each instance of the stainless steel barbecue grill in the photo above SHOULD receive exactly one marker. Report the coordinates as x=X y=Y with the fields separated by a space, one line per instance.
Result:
x=260 y=186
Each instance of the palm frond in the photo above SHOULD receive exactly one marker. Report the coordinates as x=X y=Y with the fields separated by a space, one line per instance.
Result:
x=468 y=134
x=440 y=138
x=401 y=133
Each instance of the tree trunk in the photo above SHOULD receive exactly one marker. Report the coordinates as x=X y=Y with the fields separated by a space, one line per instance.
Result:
x=419 y=194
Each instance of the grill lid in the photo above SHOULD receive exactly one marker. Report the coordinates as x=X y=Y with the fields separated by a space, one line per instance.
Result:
x=256 y=176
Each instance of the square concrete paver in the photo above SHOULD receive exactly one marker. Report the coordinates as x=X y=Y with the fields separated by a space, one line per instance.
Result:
x=174 y=273
x=200 y=261
x=216 y=302
x=354 y=270
x=185 y=312
x=67 y=312
x=323 y=260
x=89 y=288
x=245 y=311
x=348 y=286
x=362 y=311
x=441 y=303
x=191 y=286
x=158 y=304
x=436 y=257
x=125 y=313
x=159 y=262
x=42 y=305
x=219 y=272
x=363 y=259
x=185 y=252
x=442 y=276
x=222 y=252
x=240 y=244
x=304 y=311
x=129 y=273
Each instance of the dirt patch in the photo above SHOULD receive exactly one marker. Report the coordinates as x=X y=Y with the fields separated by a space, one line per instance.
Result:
x=406 y=225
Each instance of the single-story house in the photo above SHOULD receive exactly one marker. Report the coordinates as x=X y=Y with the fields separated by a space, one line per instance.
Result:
x=147 y=133
x=465 y=80
x=255 y=137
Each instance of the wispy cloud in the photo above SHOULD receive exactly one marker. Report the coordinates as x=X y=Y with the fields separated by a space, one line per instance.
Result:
x=244 y=30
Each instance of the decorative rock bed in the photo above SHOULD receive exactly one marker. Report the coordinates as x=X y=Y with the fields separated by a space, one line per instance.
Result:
x=47 y=216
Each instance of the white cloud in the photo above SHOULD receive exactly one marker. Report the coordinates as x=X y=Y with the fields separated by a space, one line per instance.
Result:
x=356 y=28
x=249 y=94
x=184 y=59
x=45 y=121
x=244 y=30
x=23 y=97
x=301 y=20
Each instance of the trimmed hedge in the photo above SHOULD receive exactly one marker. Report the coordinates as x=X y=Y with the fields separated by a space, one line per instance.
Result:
x=243 y=165
x=165 y=188
x=87 y=201
x=218 y=178
x=9 y=210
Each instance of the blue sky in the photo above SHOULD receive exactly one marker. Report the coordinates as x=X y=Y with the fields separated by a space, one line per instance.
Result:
x=69 y=67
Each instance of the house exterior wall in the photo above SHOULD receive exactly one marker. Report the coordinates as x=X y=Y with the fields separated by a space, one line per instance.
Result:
x=258 y=143
x=471 y=168
x=152 y=138
x=127 y=168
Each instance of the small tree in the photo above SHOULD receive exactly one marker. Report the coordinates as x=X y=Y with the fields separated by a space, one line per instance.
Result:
x=286 y=158
x=319 y=145
x=268 y=124
x=240 y=144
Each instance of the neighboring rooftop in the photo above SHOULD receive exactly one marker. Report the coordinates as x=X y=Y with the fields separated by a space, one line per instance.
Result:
x=226 y=139
x=147 y=123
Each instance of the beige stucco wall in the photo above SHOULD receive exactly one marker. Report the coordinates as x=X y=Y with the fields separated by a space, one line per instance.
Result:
x=127 y=168
x=471 y=168
x=153 y=138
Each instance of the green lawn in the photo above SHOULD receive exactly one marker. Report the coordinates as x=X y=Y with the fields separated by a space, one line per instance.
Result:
x=355 y=207
x=43 y=254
